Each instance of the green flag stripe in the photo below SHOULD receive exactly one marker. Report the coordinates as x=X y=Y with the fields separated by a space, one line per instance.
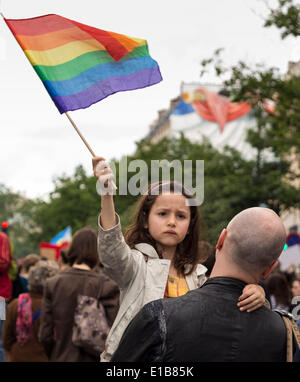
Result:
x=80 y=64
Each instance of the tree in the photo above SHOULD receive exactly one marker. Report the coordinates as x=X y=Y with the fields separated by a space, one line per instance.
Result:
x=73 y=202
x=17 y=210
x=285 y=17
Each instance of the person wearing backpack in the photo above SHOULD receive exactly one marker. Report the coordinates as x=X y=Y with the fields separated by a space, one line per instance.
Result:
x=68 y=293
x=20 y=329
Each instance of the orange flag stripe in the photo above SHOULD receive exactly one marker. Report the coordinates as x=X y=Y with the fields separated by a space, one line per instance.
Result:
x=53 y=39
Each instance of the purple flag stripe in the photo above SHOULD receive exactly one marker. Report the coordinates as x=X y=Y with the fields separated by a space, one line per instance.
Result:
x=109 y=86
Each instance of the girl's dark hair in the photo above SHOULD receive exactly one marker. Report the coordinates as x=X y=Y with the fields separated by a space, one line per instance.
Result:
x=83 y=248
x=187 y=251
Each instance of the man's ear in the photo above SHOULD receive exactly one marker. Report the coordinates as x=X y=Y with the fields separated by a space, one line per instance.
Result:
x=221 y=239
x=270 y=269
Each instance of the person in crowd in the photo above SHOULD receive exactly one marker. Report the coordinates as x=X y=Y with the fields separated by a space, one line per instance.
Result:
x=60 y=299
x=295 y=305
x=296 y=287
x=5 y=281
x=20 y=329
x=159 y=256
x=13 y=270
x=19 y=282
x=207 y=255
x=5 y=260
x=28 y=262
x=63 y=260
x=280 y=295
x=205 y=325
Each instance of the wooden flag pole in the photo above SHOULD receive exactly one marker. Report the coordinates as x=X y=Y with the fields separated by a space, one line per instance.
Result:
x=85 y=142
x=79 y=133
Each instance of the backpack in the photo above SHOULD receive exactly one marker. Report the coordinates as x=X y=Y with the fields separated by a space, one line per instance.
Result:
x=90 y=328
x=292 y=333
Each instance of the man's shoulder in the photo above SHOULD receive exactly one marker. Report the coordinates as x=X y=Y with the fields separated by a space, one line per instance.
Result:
x=169 y=306
x=154 y=308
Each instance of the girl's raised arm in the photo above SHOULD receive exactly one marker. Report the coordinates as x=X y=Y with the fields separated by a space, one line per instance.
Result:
x=105 y=176
x=114 y=254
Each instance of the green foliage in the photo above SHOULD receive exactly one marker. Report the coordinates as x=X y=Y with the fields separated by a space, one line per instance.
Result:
x=286 y=17
x=74 y=202
x=16 y=210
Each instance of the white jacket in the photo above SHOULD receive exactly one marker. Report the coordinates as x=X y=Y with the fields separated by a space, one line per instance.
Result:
x=140 y=281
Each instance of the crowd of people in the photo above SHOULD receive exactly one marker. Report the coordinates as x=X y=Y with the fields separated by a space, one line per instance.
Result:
x=42 y=299
x=161 y=292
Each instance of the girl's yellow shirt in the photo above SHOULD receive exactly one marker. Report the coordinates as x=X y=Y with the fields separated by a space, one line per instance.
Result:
x=176 y=286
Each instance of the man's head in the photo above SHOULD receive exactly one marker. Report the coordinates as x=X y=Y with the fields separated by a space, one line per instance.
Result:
x=252 y=242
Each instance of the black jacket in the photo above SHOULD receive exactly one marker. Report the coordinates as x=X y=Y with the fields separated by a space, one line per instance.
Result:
x=202 y=326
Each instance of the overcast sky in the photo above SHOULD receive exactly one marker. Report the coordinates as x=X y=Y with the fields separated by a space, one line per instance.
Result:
x=37 y=143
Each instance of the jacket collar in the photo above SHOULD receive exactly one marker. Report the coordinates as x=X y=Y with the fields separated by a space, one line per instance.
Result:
x=200 y=270
x=229 y=282
x=147 y=249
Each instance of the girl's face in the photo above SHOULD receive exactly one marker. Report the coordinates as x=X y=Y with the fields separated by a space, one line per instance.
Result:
x=169 y=219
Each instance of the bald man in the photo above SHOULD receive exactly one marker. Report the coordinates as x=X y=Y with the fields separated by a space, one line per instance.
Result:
x=206 y=324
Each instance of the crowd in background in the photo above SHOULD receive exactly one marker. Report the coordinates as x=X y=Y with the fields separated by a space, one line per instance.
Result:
x=41 y=298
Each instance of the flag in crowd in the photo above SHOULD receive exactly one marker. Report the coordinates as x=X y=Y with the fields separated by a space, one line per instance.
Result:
x=63 y=236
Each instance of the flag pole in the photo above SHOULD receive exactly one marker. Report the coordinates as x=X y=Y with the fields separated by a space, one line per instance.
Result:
x=79 y=133
x=84 y=141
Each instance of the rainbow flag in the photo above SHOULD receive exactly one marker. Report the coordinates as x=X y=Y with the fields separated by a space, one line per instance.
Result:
x=80 y=65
